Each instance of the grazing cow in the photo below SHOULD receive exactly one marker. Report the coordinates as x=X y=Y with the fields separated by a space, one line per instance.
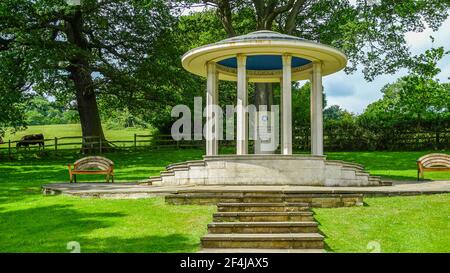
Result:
x=26 y=141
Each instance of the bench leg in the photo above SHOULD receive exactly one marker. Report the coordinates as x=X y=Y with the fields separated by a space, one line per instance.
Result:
x=74 y=178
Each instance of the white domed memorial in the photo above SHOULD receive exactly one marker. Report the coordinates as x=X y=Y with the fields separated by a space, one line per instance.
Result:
x=265 y=57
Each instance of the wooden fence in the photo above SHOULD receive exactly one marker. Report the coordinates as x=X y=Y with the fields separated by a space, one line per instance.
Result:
x=94 y=143
x=301 y=142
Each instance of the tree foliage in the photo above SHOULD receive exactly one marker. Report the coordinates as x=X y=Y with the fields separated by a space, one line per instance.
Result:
x=371 y=33
x=81 y=52
x=40 y=111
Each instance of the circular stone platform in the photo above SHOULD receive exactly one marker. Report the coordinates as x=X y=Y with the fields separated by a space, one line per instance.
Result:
x=300 y=170
x=136 y=190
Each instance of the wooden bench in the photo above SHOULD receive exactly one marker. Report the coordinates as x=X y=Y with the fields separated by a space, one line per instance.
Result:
x=92 y=165
x=432 y=163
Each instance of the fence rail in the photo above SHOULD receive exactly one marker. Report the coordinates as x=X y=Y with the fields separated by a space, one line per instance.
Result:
x=95 y=143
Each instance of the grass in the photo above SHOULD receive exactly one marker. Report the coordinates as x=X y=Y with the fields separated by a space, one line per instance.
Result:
x=396 y=224
x=392 y=165
x=46 y=224
x=65 y=130
x=30 y=222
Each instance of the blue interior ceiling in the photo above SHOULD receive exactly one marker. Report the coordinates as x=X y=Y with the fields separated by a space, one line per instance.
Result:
x=264 y=62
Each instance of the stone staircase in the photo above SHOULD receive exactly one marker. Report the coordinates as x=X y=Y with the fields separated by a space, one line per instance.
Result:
x=263 y=227
x=258 y=203
x=209 y=172
x=168 y=176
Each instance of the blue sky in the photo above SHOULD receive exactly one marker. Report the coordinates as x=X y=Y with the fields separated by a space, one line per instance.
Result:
x=354 y=93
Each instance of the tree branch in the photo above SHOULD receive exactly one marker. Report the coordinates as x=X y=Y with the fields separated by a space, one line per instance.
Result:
x=225 y=15
x=290 y=22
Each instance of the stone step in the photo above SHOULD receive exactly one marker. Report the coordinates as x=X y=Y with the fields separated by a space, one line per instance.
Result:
x=263 y=227
x=153 y=179
x=187 y=164
x=346 y=164
x=262 y=216
x=259 y=250
x=166 y=173
x=178 y=168
x=146 y=182
x=315 y=199
x=264 y=240
x=236 y=207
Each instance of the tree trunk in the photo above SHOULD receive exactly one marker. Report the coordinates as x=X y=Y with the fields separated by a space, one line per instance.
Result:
x=263 y=97
x=81 y=75
x=87 y=103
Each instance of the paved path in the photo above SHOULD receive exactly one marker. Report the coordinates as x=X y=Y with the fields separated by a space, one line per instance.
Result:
x=133 y=190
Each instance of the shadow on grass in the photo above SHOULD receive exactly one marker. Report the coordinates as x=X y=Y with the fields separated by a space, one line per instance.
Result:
x=50 y=228
x=400 y=178
x=326 y=246
x=145 y=244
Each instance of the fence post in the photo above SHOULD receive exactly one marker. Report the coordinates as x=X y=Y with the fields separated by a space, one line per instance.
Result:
x=56 y=144
x=82 y=144
x=9 y=148
x=135 y=138
x=100 y=140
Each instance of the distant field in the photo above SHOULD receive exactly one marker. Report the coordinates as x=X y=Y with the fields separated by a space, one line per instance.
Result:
x=72 y=130
x=64 y=130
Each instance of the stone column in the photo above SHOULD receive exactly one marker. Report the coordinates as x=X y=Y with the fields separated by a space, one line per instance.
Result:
x=241 y=107
x=212 y=124
x=281 y=117
x=286 y=140
x=316 y=110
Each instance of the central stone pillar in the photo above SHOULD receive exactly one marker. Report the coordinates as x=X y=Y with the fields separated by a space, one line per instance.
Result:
x=316 y=110
x=286 y=85
x=266 y=141
x=241 y=107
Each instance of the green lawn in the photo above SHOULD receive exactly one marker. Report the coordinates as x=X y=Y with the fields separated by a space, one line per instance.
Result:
x=30 y=222
x=65 y=130
x=396 y=224
x=392 y=165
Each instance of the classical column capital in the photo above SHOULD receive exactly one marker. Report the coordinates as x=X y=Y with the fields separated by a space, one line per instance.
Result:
x=212 y=66
x=241 y=59
x=287 y=59
x=316 y=67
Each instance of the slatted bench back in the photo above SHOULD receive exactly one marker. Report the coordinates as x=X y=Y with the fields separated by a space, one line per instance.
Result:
x=92 y=162
x=435 y=160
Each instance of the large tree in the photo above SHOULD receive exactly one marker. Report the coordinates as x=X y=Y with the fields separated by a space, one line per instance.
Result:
x=75 y=50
